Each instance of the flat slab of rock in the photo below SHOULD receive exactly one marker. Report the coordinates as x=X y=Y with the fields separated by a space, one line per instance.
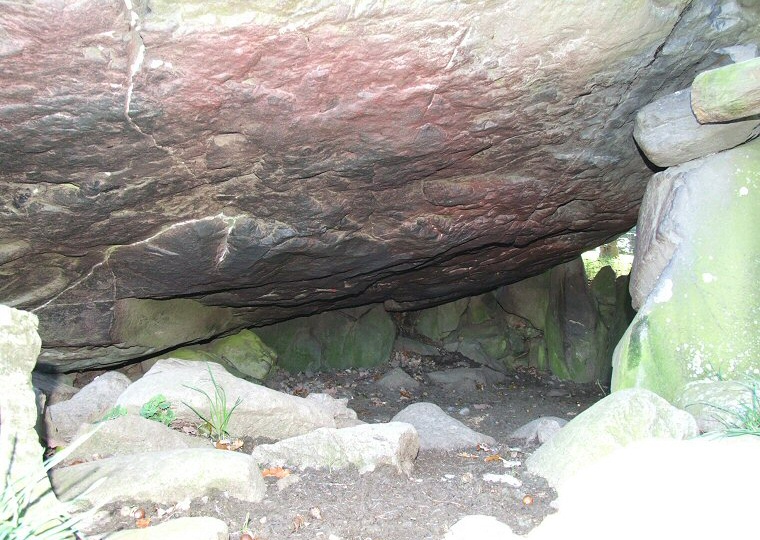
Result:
x=132 y=434
x=63 y=419
x=398 y=379
x=465 y=379
x=161 y=477
x=262 y=413
x=364 y=447
x=338 y=407
x=645 y=489
x=613 y=422
x=197 y=528
x=669 y=134
x=727 y=93
x=439 y=431
x=539 y=430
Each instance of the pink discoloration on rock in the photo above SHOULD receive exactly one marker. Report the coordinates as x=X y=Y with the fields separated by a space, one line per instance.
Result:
x=285 y=162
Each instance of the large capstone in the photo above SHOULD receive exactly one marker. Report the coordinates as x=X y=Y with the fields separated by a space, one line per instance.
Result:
x=173 y=171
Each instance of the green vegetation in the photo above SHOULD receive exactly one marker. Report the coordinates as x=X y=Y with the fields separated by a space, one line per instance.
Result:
x=219 y=416
x=21 y=518
x=620 y=264
x=745 y=419
x=115 y=412
x=158 y=409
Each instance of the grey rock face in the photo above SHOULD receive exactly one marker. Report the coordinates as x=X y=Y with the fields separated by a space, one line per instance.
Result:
x=398 y=379
x=439 y=431
x=161 y=477
x=364 y=447
x=669 y=134
x=63 y=419
x=539 y=430
x=262 y=412
x=245 y=168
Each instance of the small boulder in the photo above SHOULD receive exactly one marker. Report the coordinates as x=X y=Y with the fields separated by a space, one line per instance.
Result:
x=56 y=387
x=63 y=419
x=465 y=379
x=364 y=447
x=398 y=379
x=197 y=528
x=161 y=477
x=617 y=420
x=132 y=434
x=539 y=430
x=439 y=431
x=669 y=134
x=717 y=404
x=338 y=407
x=263 y=412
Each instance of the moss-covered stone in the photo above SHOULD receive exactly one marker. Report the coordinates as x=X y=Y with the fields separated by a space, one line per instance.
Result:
x=359 y=337
x=438 y=322
x=702 y=320
x=243 y=353
x=727 y=93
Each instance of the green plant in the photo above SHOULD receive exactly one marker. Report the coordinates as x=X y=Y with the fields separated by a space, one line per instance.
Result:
x=115 y=412
x=158 y=409
x=219 y=416
x=21 y=518
x=745 y=419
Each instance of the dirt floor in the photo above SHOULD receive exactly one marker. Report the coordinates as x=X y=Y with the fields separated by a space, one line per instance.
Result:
x=383 y=505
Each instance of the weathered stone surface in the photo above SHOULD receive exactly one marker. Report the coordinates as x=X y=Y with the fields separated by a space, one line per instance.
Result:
x=727 y=93
x=364 y=447
x=398 y=379
x=645 y=489
x=243 y=353
x=718 y=404
x=465 y=379
x=695 y=276
x=408 y=345
x=358 y=337
x=617 y=420
x=197 y=528
x=553 y=321
x=132 y=434
x=338 y=408
x=161 y=477
x=266 y=162
x=20 y=450
x=539 y=430
x=262 y=412
x=669 y=134
x=63 y=419
x=54 y=386
x=439 y=431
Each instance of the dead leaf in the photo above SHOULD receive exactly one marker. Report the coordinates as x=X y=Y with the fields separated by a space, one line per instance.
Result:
x=315 y=512
x=494 y=457
x=143 y=523
x=403 y=393
x=469 y=456
x=277 y=472
x=298 y=522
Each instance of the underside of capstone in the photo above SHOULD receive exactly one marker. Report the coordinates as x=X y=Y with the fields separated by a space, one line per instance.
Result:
x=174 y=170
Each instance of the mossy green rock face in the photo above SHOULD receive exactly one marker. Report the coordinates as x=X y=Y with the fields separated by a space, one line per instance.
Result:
x=359 y=337
x=702 y=316
x=243 y=353
x=727 y=93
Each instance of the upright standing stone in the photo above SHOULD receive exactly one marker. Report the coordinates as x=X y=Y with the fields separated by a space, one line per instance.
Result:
x=20 y=450
x=700 y=307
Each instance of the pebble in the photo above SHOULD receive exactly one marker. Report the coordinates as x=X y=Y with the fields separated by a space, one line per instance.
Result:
x=503 y=478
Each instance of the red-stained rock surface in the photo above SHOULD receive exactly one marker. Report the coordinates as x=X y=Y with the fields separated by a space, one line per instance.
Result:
x=279 y=161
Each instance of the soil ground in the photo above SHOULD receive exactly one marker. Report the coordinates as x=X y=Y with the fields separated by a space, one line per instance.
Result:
x=383 y=505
